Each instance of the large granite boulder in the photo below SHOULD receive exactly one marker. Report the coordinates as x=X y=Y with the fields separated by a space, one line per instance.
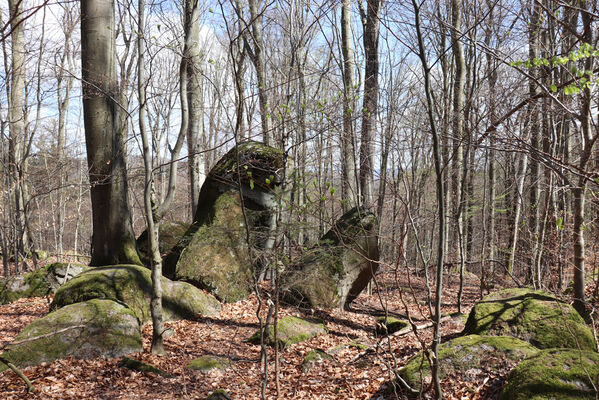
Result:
x=85 y=330
x=467 y=358
x=235 y=215
x=534 y=316
x=335 y=271
x=41 y=282
x=132 y=285
x=564 y=374
x=169 y=235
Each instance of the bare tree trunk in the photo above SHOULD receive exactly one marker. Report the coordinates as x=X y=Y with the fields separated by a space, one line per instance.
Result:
x=149 y=194
x=349 y=187
x=435 y=369
x=195 y=130
x=113 y=241
x=257 y=57
x=370 y=21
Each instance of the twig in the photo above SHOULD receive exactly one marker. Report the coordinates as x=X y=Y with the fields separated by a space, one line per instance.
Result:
x=21 y=375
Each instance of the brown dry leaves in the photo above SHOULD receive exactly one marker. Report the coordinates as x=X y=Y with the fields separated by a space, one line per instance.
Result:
x=352 y=373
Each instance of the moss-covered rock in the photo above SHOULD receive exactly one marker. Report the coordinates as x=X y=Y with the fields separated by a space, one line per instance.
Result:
x=132 y=285
x=169 y=235
x=290 y=330
x=564 y=374
x=468 y=357
x=219 y=394
x=339 y=267
x=208 y=363
x=388 y=325
x=141 y=366
x=85 y=330
x=313 y=357
x=237 y=199
x=534 y=316
x=41 y=282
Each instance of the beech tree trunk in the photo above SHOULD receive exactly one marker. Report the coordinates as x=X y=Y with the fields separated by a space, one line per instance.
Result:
x=113 y=241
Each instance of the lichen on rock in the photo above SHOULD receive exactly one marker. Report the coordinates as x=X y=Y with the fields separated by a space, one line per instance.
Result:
x=132 y=285
x=534 y=316
x=85 y=330
x=565 y=374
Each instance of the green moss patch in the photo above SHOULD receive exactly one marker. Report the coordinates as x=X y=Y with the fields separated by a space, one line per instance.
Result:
x=208 y=363
x=564 y=374
x=468 y=357
x=388 y=325
x=132 y=285
x=219 y=394
x=290 y=330
x=313 y=357
x=141 y=366
x=217 y=257
x=533 y=316
x=85 y=330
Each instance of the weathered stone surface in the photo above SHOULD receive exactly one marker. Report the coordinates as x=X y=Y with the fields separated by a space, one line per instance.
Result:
x=169 y=235
x=208 y=363
x=339 y=267
x=215 y=253
x=132 y=285
x=85 y=330
x=290 y=330
x=534 y=316
x=564 y=374
x=41 y=282
x=468 y=357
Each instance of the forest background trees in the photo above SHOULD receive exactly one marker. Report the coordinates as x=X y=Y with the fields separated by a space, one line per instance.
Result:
x=337 y=85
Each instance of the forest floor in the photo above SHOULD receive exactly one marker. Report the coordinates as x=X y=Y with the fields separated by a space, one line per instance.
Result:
x=352 y=373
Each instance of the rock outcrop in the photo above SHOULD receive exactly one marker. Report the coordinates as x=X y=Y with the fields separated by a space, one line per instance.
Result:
x=132 y=285
x=169 y=235
x=534 y=316
x=468 y=358
x=41 y=282
x=234 y=216
x=335 y=271
x=290 y=330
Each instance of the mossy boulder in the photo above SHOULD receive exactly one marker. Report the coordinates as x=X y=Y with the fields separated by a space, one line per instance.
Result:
x=85 y=330
x=564 y=374
x=208 y=363
x=169 y=235
x=140 y=366
x=314 y=357
x=290 y=330
x=132 y=285
x=219 y=394
x=388 y=325
x=41 y=282
x=468 y=357
x=534 y=316
x=335 y=271
x=237 y=199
